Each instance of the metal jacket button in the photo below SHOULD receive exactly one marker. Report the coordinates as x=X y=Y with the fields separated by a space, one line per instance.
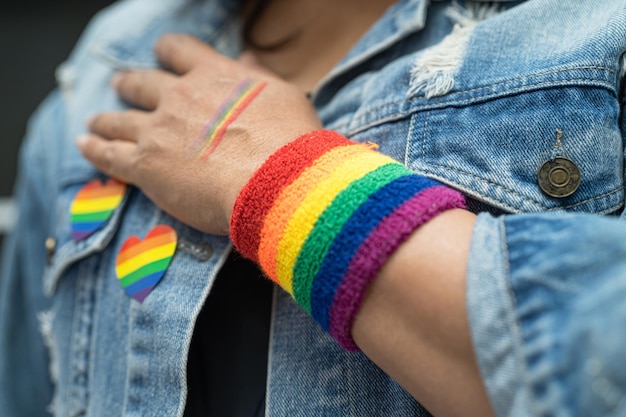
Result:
x=559 y=177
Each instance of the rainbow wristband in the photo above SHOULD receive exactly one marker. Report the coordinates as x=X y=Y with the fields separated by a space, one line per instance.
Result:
x=322 y=215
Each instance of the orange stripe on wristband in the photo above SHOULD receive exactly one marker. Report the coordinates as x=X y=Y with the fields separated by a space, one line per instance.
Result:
x=292 y=197
x=280 y=169
x=320 y=197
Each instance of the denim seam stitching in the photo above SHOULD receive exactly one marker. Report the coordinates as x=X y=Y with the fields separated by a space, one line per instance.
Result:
x=426 y=117
x=396 y=115
x=519 y=90
x=489 y=182
x=516 y=334
x=541 y=74
x=184 y=389
x=72 y=251
x=513 y=209
x=408 y=141
x=350 y=397
x=608 y=193
x=82 y=327
x=270 y=352
x=97 y=291
x=461 y=103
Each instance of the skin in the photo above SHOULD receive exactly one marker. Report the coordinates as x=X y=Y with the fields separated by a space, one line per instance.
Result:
x=413 y=322
x=177 y=105
x=320 y=35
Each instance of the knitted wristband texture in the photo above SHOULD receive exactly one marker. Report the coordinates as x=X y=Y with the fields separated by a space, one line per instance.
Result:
x=322 y=215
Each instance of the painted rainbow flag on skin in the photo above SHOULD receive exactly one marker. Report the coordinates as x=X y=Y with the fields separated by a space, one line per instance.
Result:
x=141 y=264
x=93 y=205
x=322 y=215
x=236 y=102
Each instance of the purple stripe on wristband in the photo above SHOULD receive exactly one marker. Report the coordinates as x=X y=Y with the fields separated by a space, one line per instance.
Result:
x=390 y=233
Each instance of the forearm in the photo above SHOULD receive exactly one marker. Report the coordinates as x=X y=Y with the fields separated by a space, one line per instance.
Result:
x=325 y=218
x=413 y=321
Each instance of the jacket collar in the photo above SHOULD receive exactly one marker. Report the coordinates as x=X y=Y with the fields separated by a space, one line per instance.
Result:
x=205 y=19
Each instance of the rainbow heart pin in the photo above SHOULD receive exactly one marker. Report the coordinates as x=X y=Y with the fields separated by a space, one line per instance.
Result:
x=93 y=205
x=140 y=264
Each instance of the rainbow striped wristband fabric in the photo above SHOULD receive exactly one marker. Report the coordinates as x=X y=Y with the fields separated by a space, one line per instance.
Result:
x=322 y=215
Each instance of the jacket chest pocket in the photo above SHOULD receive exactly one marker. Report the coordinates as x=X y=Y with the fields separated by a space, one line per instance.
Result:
x=557 y=148
x=88 y=213
x=131 y=221
x=104 y=334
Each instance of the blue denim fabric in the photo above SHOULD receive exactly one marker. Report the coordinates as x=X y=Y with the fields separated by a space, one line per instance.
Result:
x=546 y=303
x=530 y=69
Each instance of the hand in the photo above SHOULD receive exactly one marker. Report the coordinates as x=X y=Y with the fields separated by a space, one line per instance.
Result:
x=199 y=132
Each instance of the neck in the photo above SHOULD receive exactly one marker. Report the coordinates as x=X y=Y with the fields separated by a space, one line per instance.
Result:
x=301 y=40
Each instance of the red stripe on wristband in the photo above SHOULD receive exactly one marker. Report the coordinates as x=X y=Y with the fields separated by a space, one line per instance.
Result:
x=280 y=169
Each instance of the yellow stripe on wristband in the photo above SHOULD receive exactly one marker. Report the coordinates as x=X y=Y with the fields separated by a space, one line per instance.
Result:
x=320 y=197
x=291 y=198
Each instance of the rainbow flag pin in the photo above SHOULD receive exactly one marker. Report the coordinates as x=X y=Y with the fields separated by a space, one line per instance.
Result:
x=141 y=264
x=94 y=205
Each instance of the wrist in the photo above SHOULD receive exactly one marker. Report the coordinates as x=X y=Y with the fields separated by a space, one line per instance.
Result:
x=323 y=214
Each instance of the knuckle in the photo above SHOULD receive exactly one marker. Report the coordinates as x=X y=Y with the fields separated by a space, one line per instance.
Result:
x=162 y=119
x=181 y=89
x=141 y=160
x=123 y=83
x=115 y=126
x=137 y=90
x=95 y=123
x=124 y=125
x=166 y=47
x=162 y=47
x=108 y=157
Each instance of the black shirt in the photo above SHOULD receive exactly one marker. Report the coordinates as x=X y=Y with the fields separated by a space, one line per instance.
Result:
x=227 y=363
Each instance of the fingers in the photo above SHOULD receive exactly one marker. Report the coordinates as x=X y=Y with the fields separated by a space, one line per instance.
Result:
x=181 y=53
x=113 y=157
x=142 y=88
x=123 y=125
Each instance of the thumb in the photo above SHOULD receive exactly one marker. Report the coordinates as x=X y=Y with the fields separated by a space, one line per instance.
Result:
x=181 y=53
x=248 y=59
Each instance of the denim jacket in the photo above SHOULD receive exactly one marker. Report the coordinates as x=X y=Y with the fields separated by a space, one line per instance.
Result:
x=473 y=97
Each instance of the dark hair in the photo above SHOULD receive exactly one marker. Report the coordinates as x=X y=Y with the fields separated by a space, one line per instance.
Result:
x=257 y=7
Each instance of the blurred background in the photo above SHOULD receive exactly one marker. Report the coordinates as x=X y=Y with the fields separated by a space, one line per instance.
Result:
x=35 y=37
